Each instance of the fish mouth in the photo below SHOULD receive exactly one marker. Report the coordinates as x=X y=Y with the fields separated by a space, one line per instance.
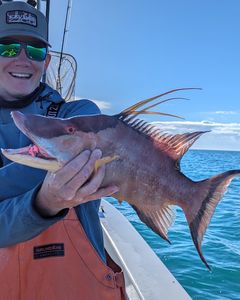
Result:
x=33 y=155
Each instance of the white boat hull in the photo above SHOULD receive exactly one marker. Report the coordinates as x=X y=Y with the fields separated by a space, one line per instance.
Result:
x=146 y=277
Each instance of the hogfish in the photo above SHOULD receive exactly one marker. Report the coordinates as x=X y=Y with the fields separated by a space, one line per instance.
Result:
x=140 y=159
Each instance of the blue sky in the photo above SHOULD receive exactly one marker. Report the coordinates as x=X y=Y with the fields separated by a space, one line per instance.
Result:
x=130 y=50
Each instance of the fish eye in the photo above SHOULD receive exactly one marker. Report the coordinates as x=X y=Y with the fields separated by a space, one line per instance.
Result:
x=71 y=130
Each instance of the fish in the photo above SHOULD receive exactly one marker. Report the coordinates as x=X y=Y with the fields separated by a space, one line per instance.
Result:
x=141 y=159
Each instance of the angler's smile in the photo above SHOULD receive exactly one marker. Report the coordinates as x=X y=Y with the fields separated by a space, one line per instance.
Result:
x=20 y=75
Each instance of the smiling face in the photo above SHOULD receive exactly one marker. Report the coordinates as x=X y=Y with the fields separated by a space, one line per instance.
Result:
x=20 y=76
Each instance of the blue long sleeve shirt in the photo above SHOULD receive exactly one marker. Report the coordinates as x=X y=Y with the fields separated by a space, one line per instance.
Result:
x=19 y=220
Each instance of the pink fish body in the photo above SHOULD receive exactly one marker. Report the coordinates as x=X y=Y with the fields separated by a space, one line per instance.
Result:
x=143 y=162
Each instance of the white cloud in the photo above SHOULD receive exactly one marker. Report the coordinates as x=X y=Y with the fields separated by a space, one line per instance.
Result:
x=222 y=112
x=222 y=136
x=100 y=104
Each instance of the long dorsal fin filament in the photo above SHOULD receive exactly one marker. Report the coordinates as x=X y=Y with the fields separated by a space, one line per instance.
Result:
x=133 y=109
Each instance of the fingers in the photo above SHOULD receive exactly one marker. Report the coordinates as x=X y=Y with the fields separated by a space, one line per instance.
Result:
x=84 y=174
x=92 y=190
x=93 y=185
x=74 y=184
x=65 y=174
x=69 y=189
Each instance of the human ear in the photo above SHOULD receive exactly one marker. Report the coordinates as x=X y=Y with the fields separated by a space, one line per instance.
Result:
x=47 y=61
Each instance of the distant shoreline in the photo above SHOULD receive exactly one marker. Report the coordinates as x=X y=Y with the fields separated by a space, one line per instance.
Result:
x=222 y=150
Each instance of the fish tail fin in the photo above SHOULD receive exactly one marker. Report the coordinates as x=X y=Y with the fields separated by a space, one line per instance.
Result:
x=208 y=194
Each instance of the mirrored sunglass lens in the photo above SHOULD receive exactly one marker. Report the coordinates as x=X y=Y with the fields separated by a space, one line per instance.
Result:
x=36 y=53
x=9 y=50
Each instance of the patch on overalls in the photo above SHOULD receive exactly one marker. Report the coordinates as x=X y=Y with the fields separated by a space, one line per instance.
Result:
x=48 y=250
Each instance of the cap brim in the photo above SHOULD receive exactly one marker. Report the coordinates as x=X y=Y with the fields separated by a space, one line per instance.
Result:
x=24 y=34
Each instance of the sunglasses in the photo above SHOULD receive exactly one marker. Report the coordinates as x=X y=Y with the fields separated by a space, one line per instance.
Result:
x=12 y=49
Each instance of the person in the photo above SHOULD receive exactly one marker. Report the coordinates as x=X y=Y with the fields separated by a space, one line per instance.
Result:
x=51 y=242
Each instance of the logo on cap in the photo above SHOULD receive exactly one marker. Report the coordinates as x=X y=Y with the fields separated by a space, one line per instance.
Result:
x=21 y=17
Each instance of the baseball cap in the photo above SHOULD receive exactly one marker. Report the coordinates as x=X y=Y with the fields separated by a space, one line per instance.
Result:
x=20 y=18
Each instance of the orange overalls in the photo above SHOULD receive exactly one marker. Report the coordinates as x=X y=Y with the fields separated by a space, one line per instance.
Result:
x=58 y=264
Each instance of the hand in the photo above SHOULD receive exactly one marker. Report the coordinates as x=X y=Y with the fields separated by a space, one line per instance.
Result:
x=73 y=184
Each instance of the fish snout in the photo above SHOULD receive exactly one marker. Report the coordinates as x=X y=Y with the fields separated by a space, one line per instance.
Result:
x=18 y=119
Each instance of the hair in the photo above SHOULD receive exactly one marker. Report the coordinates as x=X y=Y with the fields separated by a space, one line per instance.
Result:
x=32 y=2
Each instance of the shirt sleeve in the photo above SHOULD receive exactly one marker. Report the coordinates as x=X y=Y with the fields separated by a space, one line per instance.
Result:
x=19 y=221
x=77 y=108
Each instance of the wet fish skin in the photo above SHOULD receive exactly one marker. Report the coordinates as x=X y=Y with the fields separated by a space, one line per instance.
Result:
x=146 y=165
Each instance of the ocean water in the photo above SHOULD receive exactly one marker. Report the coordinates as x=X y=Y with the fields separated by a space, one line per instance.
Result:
x=221 y=243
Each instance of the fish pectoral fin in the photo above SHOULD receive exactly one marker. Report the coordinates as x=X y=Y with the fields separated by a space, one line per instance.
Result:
x=103 y=161
x=158 y=220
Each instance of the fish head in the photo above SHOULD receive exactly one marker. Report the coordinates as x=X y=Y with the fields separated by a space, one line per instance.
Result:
x=55 y=141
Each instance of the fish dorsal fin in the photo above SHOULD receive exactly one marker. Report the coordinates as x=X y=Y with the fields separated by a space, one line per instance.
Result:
x=177 y=145
x=132 y=110
x=144 y=102
x=158 y=220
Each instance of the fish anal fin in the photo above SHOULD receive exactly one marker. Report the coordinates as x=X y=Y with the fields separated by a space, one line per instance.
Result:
x=158 y=220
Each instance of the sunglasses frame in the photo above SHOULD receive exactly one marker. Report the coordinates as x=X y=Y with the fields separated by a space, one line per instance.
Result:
x=24 y=46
